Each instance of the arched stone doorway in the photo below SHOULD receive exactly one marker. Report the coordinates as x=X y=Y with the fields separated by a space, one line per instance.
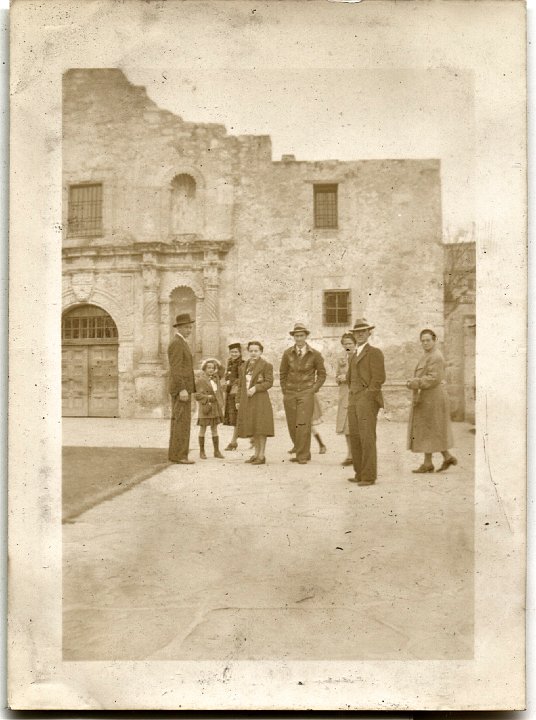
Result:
x=89 y=363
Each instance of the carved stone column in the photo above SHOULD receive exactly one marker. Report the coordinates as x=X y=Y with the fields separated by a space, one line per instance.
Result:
x=149 y=381
x=151 y=314
x=164 y=325
x=211 y=317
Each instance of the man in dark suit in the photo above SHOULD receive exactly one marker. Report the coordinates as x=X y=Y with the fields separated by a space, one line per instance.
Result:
x=181 y=387
x=301 y=375
x=366 y=375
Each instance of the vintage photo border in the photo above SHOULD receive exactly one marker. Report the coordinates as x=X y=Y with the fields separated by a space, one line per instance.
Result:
x=46 y=40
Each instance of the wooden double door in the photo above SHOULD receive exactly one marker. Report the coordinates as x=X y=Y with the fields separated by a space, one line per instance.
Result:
x=89 y=380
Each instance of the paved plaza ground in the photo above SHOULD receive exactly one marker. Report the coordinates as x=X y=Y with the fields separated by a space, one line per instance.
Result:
x=224 y=561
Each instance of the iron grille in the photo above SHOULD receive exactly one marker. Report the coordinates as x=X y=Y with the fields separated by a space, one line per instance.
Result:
x=325 y=202
x=88 y=324
x=337 y=310
x=85 y=209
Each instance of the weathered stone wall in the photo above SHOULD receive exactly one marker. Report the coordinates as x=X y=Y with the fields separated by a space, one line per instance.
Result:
x=386 y=250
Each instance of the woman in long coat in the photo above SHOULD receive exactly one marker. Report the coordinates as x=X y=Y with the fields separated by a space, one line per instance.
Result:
x=429 y=429
x=232 y=374
x=349 y=343
x=255 y=415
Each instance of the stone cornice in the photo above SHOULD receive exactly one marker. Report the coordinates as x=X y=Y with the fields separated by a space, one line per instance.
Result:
x=159 y=249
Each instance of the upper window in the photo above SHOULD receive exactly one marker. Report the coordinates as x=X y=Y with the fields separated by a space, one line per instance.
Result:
x=337 y=310
x=325 y=197
x=85 y=209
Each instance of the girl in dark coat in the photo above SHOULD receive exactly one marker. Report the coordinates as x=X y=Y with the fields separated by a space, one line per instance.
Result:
x=255 y=415
x=232 y=376
x=209 y=397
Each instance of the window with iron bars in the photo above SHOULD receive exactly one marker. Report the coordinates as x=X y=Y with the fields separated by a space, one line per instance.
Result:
x=325 y=206
x=85 y=209
x=337 y=307
x=89 y=328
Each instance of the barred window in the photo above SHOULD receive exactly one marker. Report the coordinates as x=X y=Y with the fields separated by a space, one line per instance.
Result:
x=337 y=310
x=325 y=205
x=85 y=209
x=88 y=323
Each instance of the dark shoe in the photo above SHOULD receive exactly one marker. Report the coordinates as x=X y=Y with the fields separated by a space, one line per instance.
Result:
x=251 y=459
x=354 y=479
x=292 y=451
x=216 y=443
x=259 y=461
x=294 y=460
x=303 y=462
x=347 y=462
x=323 y=449
x=363 y=483
x=202 y=448
x=231 y=446
x=423 y=469
x=447 y=463
x=184 y=461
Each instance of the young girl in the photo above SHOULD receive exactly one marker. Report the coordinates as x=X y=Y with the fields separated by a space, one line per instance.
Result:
x=210 y=405
x=255 y=415
x=234 y=363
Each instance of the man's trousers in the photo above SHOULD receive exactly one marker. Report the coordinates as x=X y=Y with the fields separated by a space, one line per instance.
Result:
x=179 y=437
x=299 y=411
x=362 y=416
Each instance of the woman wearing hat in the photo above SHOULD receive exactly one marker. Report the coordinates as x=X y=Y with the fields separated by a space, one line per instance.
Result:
x=429 y=428
x=349 y=344
x=209 y=398
x=232 y=374
x=255 y=414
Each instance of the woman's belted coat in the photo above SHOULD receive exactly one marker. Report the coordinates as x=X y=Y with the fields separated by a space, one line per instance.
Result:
x=255 y=414
x=429 y=427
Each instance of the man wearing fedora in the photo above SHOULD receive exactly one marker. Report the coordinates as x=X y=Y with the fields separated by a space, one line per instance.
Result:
x=301 y=374
x=181 y=387
x=366 y=375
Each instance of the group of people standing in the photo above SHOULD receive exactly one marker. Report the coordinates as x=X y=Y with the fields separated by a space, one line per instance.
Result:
x=238 y=396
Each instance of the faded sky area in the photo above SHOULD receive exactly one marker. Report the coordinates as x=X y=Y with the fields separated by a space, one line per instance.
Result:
x=327 y=113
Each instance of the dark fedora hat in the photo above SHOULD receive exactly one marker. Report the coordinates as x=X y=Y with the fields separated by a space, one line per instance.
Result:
x=235 y=346
x=362 y=324
x=299 y=327
x=183 y=319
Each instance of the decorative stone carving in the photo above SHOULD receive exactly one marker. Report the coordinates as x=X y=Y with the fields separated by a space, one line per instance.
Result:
x=82 y=285
x=150 y=314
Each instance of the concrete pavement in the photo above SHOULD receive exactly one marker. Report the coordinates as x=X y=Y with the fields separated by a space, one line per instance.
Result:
x=221 y=560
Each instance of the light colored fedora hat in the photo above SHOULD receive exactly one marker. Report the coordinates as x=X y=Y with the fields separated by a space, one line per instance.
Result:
x=362 y=324
x=299 y=327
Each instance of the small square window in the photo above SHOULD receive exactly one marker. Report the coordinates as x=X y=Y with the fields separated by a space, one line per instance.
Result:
x=325 y=206
x=337 y=309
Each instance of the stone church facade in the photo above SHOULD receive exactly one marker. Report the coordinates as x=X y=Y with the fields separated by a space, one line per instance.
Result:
x=163 y=216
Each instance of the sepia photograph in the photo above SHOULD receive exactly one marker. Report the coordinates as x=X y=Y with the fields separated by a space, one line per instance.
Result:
x=271 y=451
x=224 y=309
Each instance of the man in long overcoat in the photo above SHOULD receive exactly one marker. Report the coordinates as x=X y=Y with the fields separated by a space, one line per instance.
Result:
x=301 y=374
x=181 y=387
x=366 y=375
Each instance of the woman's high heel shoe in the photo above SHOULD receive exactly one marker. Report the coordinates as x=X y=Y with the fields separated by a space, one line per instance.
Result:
x=447 y=463
x=424 y=469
